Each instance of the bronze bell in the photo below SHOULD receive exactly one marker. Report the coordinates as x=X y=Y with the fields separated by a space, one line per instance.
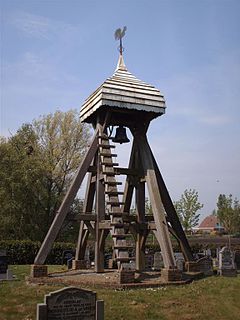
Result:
x=121 y=135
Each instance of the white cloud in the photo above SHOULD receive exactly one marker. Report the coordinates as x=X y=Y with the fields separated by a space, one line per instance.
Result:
x=37 y=26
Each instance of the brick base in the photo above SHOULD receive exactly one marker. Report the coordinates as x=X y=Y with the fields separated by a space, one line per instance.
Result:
x=126 y=276
x=79 y=264
x=168 y=275
x=39 y=271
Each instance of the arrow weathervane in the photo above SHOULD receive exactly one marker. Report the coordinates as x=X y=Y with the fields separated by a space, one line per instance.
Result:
x=119 y=34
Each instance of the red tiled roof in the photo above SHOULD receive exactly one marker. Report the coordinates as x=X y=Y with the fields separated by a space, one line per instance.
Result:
x=210 y=222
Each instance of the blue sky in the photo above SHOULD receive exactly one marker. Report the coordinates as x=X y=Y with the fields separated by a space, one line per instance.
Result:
x=55 y=53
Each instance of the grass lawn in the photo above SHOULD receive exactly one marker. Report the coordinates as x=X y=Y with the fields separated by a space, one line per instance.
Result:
x=209 y=298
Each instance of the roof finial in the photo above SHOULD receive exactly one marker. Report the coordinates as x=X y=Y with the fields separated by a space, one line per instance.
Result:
x=119 y=34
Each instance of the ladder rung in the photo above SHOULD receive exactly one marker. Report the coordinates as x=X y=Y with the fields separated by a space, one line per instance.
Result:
x=117 y=224
x=123 y=259
x=103 y=137
x=116 y=214
x=110 y=164
x=123 y=247
x=109 y=173
x=114 y=193
x=113 y=183
x=115 y=203
x=114 y=235
x=106 y=146
x=108 y=155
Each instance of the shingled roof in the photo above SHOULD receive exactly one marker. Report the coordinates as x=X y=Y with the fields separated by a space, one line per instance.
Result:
x=124 y=90
x=210 y=222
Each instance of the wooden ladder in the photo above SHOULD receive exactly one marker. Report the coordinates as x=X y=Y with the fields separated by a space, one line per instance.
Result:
x=118 y=226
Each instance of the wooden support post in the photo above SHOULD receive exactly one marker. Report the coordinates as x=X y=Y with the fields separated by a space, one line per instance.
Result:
x=171 y=214
x=156 y=201
x=88 y=205
x=129 y=187
x=140 y=211
x=67 y=201
x=100 y=212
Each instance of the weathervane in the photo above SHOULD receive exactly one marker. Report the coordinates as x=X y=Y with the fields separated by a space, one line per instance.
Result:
x=119 y=34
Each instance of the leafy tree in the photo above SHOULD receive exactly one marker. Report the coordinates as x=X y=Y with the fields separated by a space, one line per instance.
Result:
x=36 y=168
x=228 y=212
x=187 y=208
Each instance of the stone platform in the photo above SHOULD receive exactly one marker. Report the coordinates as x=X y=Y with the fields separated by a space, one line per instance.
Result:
x=106 y=279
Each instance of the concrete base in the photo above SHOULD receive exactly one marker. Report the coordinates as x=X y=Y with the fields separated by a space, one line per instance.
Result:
x=79 y=264
x=39 y=271
x=126 y=276
x=169 y=275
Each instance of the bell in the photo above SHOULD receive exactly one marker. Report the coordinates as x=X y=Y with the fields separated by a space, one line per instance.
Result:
x=121 y=135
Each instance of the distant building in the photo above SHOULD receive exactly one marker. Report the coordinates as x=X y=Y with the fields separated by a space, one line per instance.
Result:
x=209 y=224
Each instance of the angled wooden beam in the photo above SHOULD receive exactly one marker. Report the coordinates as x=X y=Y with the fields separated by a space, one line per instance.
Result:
x=67 y=201
x=129 y=187
x=171 y=214
x=88 y=205
x=156 y=201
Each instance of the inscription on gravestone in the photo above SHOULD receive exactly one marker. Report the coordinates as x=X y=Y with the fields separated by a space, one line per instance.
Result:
x=70 y=304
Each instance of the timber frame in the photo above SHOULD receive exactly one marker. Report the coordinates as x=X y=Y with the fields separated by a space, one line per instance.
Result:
x=112 y=216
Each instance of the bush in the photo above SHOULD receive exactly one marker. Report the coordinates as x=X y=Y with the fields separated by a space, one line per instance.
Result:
x=25 y=251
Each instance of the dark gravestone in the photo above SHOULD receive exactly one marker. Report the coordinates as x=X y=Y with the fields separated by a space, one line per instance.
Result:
x=149 y=261
x=237 y=259
x=69 y=263
x=226 y=263
x=5 y=273
x=67 y=255
x=71 y=304
x=3 y=261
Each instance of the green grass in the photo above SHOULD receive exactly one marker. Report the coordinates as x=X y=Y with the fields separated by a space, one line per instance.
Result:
x=210 y=298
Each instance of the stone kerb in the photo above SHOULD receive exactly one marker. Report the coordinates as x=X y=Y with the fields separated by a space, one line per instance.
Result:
x=71 y=304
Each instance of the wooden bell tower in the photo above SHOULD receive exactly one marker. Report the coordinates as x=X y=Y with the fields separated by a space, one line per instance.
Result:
x=121 y=101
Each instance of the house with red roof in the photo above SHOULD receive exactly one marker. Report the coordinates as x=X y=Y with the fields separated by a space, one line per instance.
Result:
x=209 y=224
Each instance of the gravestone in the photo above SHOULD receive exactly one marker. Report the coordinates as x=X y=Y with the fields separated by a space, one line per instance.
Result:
x=67 y=255
x=206 y=265
x=71 y=304
x=3 y=261
x=149 y=261
x=157 y=261
x=180 y=261
x=127 y=273
x=226 y=263
x=5 y=273
x=237 y=259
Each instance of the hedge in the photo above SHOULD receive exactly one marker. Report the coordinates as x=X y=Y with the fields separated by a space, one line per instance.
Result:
x=24 y=251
